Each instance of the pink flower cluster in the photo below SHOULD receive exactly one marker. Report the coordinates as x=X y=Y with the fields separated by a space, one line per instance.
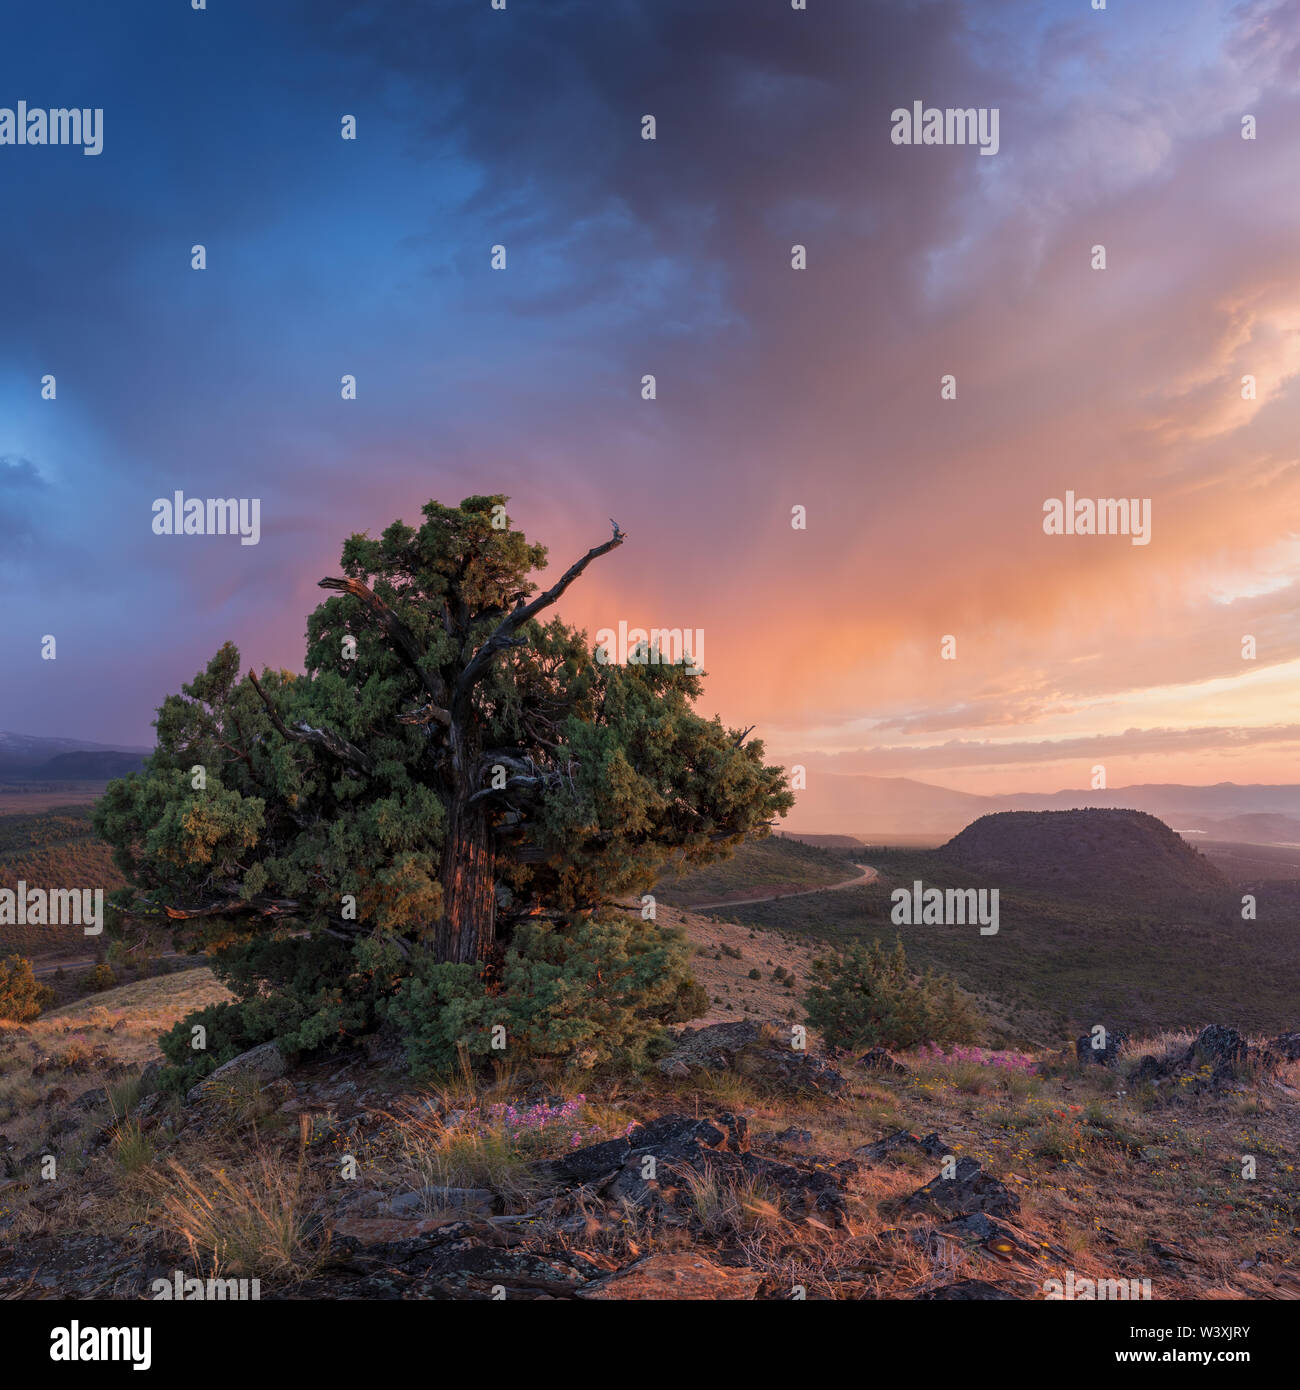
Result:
x=1007 y=1061
x=530 y=1121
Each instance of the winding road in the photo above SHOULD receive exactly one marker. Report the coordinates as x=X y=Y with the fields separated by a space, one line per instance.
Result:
x=867 y=875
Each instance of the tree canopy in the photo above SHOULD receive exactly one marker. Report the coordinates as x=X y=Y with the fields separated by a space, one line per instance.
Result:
x=454 y=761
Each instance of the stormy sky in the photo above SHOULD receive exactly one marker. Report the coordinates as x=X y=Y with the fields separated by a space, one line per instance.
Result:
x=776 y=388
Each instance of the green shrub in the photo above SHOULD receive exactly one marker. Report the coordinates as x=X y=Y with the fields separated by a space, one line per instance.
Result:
x=97 y=979
x=22 y=996
x=869 y=998
x=589 y=990
x=305 y=993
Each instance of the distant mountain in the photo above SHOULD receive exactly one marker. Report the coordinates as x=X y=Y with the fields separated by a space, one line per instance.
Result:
x=1256 y=828
x=832 y=842
x=87 y=767
x=876 y=808
x=28 y=758
x=1087 y=854
x=873 y=807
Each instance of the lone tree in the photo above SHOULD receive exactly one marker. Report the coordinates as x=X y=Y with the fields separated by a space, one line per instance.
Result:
x=453 y=763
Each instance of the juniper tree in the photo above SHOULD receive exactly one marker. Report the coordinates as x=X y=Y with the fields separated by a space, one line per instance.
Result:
x=453 y=762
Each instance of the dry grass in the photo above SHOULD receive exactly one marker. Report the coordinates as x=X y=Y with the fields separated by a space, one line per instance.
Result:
x=264 y=1218
x=727 y=1208
x=1101 y=1171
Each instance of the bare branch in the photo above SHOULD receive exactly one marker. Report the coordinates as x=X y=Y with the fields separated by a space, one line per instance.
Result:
x=504 y=634
x=266 y=907
x=402 y=639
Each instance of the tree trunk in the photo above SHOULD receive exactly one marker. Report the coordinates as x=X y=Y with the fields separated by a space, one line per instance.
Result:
x=468 y=927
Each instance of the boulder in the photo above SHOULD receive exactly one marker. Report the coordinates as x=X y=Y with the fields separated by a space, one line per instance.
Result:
x=902 y=1141
x=1000 y=1242
x=1100 y=1056
x=1214 y=1061
x=762 y=1051
x=969 y=1190
x=648 y=1167
x=478 y=1200
x=879 y=1059
x=263 y=1063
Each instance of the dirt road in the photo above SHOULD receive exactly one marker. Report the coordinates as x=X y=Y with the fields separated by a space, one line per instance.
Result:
x=867 y=875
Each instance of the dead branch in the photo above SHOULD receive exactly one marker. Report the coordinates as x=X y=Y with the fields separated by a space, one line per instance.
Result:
x=403 y=641
x=504 y=634
x=340 y=748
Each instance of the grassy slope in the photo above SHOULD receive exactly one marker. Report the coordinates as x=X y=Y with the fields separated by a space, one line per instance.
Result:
x=1102 y=1171
x=52 y=849
x=762 y=866
x=1055 y=963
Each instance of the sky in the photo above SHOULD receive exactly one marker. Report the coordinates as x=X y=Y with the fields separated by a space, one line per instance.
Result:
x=776 y=388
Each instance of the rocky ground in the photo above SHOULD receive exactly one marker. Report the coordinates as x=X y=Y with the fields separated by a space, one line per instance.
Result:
x=741 y=1167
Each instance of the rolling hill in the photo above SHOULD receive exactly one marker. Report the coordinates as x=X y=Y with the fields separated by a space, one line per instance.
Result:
x=1086 y=854
x=29 y=759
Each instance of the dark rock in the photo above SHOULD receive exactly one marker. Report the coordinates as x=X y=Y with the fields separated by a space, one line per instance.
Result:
x=648 y=1167
x=758 y=1050
x=1147 y=1070
x=1287 y=1047
x=1219 y=1043
x=478 y=1200
x=902 y=1141
x=1218 y=1049
x=1167 y=1250
x=595 y=1163
x=262 y=1063
x=997 y=1240
x=793 y=1136
x=969 y=1190
x=669 y=1137
x=1100 y=1056
x=966 y=1291
x=879 y=1059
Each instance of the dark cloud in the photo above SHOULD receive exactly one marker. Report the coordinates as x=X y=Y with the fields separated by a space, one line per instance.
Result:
x=22 y=493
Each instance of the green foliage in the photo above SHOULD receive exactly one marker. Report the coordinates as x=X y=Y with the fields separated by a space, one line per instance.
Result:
x=304 y=993
x=869 y=998
x=97 y=979
x=22 y=996
x=442 y=736
x=595 y=989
